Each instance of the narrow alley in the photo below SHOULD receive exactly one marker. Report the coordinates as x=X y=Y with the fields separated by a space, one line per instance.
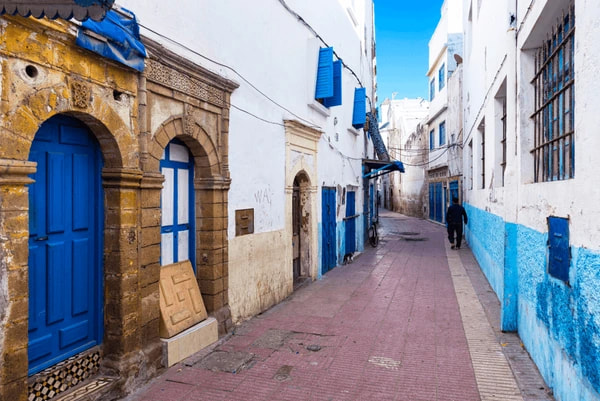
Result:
x=401 y=322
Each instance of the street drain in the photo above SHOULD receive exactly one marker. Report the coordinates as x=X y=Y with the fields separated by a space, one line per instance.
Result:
x=407 y=233
x=283 y=373
x=223 y=361
x=414 y=238
x=314 y=348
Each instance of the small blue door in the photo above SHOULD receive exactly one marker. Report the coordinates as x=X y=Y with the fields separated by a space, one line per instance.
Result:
x=65 y=244
x=177 y=205
x=438 y=201
x=431 y=201
x=329 y=230
x=350 y=222
x=371 y=204
x=453 y=190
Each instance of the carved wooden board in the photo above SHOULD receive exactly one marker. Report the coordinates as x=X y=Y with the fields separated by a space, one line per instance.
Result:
x=181 y=304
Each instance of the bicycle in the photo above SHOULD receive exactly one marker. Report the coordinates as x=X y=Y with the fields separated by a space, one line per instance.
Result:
x=373 y=236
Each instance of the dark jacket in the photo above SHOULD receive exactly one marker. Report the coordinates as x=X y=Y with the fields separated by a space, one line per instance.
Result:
x=455 y=214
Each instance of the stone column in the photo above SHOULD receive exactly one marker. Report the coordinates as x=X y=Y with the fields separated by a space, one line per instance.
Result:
x=122 y=313
x=212 y=250
x=150 y=266
x=14 y=283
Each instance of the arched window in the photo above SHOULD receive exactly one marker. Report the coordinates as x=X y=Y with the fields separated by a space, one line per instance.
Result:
x=177 y=205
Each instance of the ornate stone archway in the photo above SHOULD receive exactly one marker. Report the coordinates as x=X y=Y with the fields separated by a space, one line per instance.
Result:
x=187 y=102
x=301 y=162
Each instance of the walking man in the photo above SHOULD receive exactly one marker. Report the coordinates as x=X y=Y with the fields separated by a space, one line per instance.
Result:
x=454 y=219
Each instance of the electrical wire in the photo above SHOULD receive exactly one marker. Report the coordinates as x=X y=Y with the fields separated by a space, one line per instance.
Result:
x=314 y=32
x=311 y=124
x=430 y=161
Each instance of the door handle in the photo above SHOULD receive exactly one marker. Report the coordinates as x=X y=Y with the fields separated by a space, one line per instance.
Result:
x=44 y=238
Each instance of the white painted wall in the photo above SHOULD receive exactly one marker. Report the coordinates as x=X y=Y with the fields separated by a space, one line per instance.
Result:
x=402 y=117
x=283 y=66
x=273 y=57
x=445 y=42
x=491 y=49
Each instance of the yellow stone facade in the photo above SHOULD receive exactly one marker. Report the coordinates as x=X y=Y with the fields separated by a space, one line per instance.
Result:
x=43 y=74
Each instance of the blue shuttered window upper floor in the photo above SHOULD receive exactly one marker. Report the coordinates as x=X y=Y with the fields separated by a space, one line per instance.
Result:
x=336 y=99
x=359 y=115
x=329 y=79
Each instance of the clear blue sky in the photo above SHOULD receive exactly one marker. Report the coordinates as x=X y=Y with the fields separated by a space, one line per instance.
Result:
x=403 y=29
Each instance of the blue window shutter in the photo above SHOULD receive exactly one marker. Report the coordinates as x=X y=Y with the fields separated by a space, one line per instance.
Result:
x=336 y=99
x=559 y=258
x=359 y=114
x=325 y=74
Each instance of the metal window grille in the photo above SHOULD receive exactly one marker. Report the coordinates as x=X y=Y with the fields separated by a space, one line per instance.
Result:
x=503 y=141
x=554 y=148
x=471 y=164
x=482 y=159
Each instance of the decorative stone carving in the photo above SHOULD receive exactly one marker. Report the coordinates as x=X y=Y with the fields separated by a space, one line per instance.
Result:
x=181 y=304
x=172 y=78
x=80 y=93
x=190 y=120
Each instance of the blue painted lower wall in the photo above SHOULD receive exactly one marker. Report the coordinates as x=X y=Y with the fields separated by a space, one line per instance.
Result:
x=559 y=323
x=485 y=235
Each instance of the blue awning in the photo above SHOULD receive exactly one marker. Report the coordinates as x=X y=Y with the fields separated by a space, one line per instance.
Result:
x=81 y=10
x=377 y=168
x=117 y=37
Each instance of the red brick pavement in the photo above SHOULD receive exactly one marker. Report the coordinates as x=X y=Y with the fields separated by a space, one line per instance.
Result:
x=388 y=325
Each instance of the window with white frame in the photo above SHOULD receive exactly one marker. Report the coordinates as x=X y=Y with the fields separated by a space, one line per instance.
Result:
x=554 y=119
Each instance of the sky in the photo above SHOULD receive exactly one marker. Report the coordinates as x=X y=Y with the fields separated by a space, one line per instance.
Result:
x=402 y=32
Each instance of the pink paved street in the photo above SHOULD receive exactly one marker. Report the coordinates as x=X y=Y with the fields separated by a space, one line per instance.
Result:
x=388 y=327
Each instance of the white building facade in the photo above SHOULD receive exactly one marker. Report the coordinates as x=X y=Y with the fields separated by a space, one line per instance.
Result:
x=445 y=50
x=295 y=156
x=530 y=138
x=403 y=127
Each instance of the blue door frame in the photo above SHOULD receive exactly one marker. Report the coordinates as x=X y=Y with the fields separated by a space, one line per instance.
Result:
x=172 y=232
x=65 y=244
x=328 y=239
x=350 y=222
x=438 y=202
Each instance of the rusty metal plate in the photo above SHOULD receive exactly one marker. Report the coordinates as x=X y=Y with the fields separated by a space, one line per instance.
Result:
x=181 y=305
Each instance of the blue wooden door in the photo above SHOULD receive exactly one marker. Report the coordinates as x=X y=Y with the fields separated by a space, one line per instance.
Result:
x=453 y=190
x=438 y=202
x=329 y=230
x=371 y=204
x=65 y=244
x=350 y=222
x=177 y=205
x=431 y=201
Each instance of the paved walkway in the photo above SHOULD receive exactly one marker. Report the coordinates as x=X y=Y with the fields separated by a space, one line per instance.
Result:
x=389 y=326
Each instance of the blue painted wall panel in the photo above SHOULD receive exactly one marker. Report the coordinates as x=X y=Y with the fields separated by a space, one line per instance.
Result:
x=558 y=323
x=485 y=236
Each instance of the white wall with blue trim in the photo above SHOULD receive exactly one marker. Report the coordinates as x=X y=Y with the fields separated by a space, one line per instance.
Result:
x=274 y=56
x=508 y=232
